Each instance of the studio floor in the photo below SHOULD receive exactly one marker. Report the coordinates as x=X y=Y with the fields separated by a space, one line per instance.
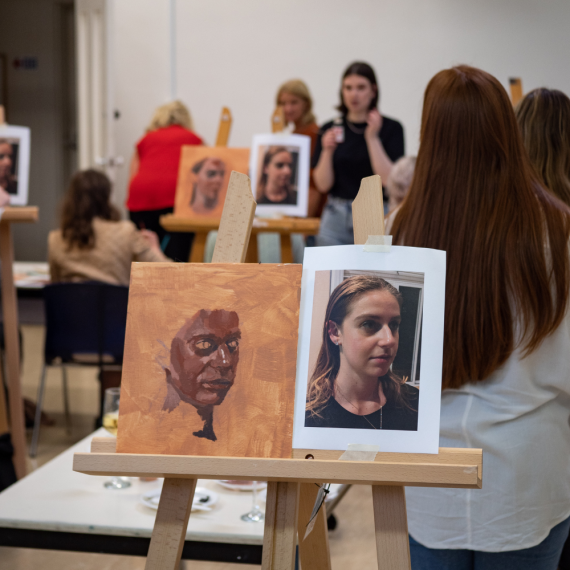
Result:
x=351 y=543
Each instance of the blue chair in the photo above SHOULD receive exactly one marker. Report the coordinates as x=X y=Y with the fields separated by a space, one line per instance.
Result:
x=85 y=326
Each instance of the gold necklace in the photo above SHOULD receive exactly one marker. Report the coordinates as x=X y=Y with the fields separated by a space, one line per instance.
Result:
x=354 y=129
x=361 y=416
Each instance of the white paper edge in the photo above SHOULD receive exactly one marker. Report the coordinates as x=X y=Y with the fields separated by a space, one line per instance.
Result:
x=23 y=133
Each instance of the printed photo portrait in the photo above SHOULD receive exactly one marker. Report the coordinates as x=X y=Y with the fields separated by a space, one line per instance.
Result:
x=203 y=178
x=210 y=355
x=365 y=350
x=15 y=163
x=363 y=334
x=279 y=172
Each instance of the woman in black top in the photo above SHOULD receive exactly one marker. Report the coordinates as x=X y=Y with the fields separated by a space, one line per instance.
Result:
x=352 y=385
x=359 y=144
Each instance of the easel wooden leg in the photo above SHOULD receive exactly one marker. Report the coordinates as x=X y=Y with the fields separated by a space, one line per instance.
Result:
x=391 y=524
x=314 y=552
x=279 y=539
x=171 y=523
x=286 y=248
x=10 y=310
x=252 y=255
x=198 y=247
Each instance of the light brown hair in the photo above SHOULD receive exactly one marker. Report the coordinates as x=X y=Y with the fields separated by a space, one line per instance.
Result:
x=173 y=113
x=299 y=89
x=476 y=196
x=88 y=197
x=544 y=119
x=321 y=384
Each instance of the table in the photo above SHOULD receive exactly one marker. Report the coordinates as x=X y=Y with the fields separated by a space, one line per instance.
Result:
x=58 y=509
x=283 y=226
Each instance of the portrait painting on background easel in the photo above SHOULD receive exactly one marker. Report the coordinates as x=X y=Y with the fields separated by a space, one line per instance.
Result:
x=209 y=363
x=370 y=349
x=15 y=163
x=203 y=178
x=279 y=170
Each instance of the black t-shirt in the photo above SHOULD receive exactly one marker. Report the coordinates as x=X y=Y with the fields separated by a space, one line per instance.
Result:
x=291 y=198
x=351 y=162
x=393 y=417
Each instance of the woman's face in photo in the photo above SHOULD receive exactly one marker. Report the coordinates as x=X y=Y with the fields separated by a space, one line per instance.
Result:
x=369 y=334
x=357 y=93
x=6 y=153
x=293 y=107
x=279 y=170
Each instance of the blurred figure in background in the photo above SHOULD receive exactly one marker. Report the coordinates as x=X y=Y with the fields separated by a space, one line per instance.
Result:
x=93 y=244
x=399 y=181
x=544 y=119
x=154 y=173
x=297 y=103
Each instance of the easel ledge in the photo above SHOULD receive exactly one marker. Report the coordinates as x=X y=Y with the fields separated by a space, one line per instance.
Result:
x=20 y=214
x=451 y=467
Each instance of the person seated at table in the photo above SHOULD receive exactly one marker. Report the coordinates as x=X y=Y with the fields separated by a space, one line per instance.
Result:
x=544 y=120
x=154 y=173
x=275 y=184
x=93 y=243
x=399 y=181
x=353 y=385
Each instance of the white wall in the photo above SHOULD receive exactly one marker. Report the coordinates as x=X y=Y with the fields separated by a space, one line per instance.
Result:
x=237 y=53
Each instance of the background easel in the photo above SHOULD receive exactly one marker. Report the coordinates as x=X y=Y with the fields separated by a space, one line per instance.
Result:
x=515 y=84
x=278 y=120
x=224 y=127
x=11 y=338
x=291 y=489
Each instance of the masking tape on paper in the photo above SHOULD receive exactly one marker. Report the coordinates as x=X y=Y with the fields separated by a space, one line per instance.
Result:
x=378 y=243
x=360 y=452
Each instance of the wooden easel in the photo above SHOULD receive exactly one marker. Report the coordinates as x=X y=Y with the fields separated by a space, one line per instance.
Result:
x=515 y=84
x=291 y=489
x=11 y=337
x=278 y=120
x=224 y=127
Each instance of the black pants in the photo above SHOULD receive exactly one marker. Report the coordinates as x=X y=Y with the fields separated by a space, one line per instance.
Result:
x=175 y=245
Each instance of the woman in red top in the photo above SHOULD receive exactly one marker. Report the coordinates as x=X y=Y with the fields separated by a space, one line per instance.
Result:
x=153 y=174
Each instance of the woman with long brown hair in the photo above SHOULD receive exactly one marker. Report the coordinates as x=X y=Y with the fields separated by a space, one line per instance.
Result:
x=544 y=119
x=353 y=385
x=93 y=243
x=276 y=184
x=507 y=331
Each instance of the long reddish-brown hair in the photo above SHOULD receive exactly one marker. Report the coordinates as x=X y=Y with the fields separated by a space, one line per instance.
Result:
x=475 y=195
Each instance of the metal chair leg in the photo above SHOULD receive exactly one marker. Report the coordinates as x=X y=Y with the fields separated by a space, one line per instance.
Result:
x=38 y=418
x=66 y=399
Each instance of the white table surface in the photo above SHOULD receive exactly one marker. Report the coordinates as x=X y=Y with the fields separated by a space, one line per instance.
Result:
x=55 y=498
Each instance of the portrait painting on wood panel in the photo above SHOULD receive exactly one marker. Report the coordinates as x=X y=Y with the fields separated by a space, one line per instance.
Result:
x=209 y=364
x=368 y=371
x=280 y=173
x=203 y=178
x=15 y=163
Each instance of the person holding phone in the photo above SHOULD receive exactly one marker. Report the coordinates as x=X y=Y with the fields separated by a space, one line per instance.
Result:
x=360 y=143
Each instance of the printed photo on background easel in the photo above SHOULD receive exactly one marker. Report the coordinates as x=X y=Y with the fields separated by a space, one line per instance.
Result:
x=15 y=162
x=370 y=349
x=203 y=178
x=279 y=169
x=210 y=355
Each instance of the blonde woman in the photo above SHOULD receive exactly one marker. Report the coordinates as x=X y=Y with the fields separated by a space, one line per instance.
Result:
x=295 y=99
x=544 y=120
x=399 y=181
x=153 y=173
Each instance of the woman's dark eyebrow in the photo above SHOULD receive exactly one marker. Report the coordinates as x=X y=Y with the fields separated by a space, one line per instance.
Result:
x=374 y=316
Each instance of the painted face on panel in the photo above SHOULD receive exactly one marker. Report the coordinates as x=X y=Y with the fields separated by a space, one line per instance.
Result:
x=369 y=334
x=204 y=356
x=210 y=178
